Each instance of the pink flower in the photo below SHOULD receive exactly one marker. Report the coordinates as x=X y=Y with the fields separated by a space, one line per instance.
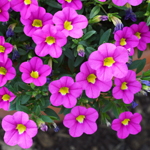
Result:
x=19 y=129
x=69 y=22
x=126 y=87
x=127 y=39
x=49 y=41
x=123 y=2
x=7 y=72
x=64 y=92
x=89 y=81
x=25 y=7
x=109 y=61
x=5 y=49
x=36 y=21
x=4 y=6
x=102 y=0
x=81 y=120
x=34 y=71
x=5 y=98
x=76 y=4
x=127 y=123
x=143 y=34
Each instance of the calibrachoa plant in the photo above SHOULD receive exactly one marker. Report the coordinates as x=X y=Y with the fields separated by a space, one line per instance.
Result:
x=75 y=55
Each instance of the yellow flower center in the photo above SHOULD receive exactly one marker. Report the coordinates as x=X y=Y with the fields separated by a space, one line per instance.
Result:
x=21 y=128
x=3 y=71
x=109 y=61
x=50 y=40
x=138 y=35
x=37 y=23
x=80 y=118
x=34 y=74
x=125 y=121
x=68 y=26
x=91 y=78
x=2 y=49
x=6 y=97
x=123 y=42
x=64 y=90
x=124 y=86
x=27 y=2
x=69 y=1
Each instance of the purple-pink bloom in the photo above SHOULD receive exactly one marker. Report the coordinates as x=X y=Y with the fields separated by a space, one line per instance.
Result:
x=123 y=2
x=75 y=4
x=19 y=130
x=7 y=72
x=34 y=71
x=5 y=49
x=64 y=92
x=6 y=97
x=127 y=39
x=81 y=120
x=102 y=0
x=143 y=34
x=25 y=7
x=126 y=87
x=69 y=22
x=37 y=20
x=109 y=61
x=89 y=81
x=49 y=41
x=127 y=123
x=4 y=6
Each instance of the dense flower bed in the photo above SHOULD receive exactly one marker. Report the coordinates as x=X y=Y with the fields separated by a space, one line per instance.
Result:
x=67 y=53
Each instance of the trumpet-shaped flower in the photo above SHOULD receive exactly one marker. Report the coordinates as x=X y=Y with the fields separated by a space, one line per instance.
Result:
x=131 y=2
x=64 y=92
x=34 y=71
x=109 y=61
x=7 y=72
x=127 y=39
x=126 y=87
x=143 y=34
x=5 y=49
x=76 y=4
x=69 y=22
x=4 y=6
x=37 y=20
x=25 y=7
x=19 y=130
x=49 y=41
x=81 y=120
x=5 y=98
x=87 y=78
x=127 y=123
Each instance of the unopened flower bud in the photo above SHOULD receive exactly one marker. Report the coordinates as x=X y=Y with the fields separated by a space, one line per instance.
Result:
x=56 y=128
x=10 y=32
x=41 y=124
x=80 y=50
x=15 y=53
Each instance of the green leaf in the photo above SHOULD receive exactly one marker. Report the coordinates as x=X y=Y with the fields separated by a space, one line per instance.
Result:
x=38 y=110
x=88 y=35
x=148 y=21
x=51 y=113
x=90 y=49
x=115 y=111
x=25 y=98
x=71 y=65
x=53 y=4
x=23 y=108
x=78 y=61
x=105 y=37
x=24 y=86
x=141 y=65
x=94 y=11
x=18 y=29
x=69 y=54
x=46 y=119
x=107 y=107
x=140 y=53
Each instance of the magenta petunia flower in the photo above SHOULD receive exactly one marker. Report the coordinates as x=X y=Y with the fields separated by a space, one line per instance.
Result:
x=81 y=120
x=126 y=87
x=34 y=71
x=127 y=123
x=49 y=41
x=89 y=81
x=37 y=20
x=5 y=98
x=19 y=130
x=5 y=49
x=25 y=7
x=69 y=22
x=143 y=34
x=109 y=61
x=64 y=92
x=127 y=39
x=7 y=72
x=4 y=6
x=76 y=4
x=102 y=0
